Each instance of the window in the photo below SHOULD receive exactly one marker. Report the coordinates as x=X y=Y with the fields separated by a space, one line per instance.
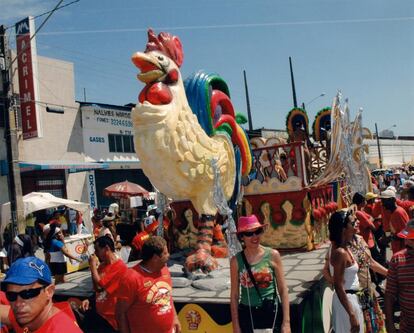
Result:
x=119 y=143
x=127 y=144
x=54 y=186
x=111 y=140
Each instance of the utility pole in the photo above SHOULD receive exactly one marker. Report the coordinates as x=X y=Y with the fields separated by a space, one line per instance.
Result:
x=295 y=102
x=249 y=112
x=378 y=146
x=14 y=180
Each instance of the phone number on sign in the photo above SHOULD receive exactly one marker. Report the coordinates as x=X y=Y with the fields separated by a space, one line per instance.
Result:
x=125 y=123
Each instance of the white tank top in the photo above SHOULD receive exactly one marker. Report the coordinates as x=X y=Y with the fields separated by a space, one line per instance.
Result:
x=351 y=281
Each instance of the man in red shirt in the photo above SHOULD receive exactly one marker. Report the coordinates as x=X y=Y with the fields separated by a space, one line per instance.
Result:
x=145 y=302
x=374 y=208
x=106 y=277
x=408 y=204
x=398 y=218
x=29 y=290
x=366 y=222
x=400 y=284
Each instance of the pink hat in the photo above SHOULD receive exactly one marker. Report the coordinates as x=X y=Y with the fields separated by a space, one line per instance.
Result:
x=247 y=223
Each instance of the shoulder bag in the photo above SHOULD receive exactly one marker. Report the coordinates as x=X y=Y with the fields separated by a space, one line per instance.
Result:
x=267 y=314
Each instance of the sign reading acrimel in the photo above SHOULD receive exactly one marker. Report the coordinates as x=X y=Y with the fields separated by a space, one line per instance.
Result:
x=26 y=52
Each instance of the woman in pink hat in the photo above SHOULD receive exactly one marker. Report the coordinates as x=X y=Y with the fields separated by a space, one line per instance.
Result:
x=257 y=306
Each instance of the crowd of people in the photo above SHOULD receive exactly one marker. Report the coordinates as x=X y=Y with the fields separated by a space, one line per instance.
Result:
x=356 y=266
x=356 y=263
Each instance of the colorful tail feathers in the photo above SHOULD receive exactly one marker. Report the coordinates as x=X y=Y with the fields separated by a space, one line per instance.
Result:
x=209 y=99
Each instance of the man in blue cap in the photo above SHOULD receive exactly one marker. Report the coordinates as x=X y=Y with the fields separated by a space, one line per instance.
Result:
x=29 y=289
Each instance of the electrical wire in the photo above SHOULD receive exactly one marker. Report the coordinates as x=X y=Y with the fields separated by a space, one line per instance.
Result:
x=37 y=30
x=40 y=15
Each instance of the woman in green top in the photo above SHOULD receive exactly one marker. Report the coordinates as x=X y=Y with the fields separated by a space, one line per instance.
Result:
x=267 y=269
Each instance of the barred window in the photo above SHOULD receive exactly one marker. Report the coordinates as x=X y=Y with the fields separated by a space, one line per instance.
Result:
x=119 y=143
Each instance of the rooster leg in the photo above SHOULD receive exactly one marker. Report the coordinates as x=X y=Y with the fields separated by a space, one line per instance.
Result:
x=202 y=258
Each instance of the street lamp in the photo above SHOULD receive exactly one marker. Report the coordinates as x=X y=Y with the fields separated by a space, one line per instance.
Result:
x=312 y=100
x=384 y=133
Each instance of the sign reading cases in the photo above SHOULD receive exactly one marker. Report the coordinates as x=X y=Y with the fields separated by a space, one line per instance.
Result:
x=27 y=71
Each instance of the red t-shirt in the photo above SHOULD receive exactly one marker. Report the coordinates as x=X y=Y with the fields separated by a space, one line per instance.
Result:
x=378 y=210
x=151 y=308
x=365 y=227
x=63 y=321
x=139 y=239
x=4 y=301
x=398 y=221
x=369 y=208
x=406 y=204
x=400 y=285
x=111 y=277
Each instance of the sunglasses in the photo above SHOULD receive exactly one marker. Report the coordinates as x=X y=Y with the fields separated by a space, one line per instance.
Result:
x=251 y=233
x=24 y=294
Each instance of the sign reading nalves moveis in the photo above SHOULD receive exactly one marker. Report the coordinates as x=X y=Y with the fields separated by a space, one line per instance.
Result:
x=27 y=65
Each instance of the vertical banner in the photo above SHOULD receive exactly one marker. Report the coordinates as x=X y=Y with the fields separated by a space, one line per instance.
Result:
x=27 y=71
x=92 y=189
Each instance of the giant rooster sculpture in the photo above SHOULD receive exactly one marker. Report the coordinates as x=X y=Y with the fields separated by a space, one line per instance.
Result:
x=177 y=146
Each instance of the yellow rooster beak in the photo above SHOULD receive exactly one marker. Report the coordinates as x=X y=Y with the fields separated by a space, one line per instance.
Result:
x=150 y=68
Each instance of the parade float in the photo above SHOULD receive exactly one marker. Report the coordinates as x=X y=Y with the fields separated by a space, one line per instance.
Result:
x=192 y=147
x=207 y=172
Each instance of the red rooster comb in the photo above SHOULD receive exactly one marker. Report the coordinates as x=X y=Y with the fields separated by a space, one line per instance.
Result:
x=166 y=43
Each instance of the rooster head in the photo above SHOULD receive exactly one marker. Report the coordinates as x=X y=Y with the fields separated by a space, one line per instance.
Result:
x=159 y=66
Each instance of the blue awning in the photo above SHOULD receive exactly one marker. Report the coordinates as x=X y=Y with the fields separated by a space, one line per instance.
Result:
x=62 y=165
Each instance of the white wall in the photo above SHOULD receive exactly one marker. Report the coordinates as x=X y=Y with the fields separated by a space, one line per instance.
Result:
x=100 y=120
x=62 y=139
x=393 y=152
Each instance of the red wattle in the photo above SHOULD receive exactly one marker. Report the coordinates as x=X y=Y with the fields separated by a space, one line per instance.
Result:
x=157 y=93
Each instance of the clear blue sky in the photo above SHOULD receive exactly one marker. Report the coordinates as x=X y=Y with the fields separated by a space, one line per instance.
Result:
x=364 y=48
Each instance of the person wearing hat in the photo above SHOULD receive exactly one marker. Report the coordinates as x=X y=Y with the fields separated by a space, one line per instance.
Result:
x=55 y=246
x=257 y=305
x=370 y=202
x=398 y=218
x=108 y=226
x=400 y=283
x=29 y=290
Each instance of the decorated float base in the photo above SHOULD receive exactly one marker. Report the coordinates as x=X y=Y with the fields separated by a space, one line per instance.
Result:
x=203 y=301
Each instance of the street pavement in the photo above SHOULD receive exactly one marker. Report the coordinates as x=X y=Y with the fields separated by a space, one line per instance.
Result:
x=301 y=269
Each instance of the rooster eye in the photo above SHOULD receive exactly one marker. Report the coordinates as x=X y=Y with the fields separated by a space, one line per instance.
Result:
x=163 y=61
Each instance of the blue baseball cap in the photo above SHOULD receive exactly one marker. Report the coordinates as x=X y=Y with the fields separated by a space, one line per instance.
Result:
x=28 y=270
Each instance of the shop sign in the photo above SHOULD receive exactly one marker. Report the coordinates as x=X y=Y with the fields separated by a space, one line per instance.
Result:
x=92 y=189
x=95 y=117
x=96 y=139
x=27 y=68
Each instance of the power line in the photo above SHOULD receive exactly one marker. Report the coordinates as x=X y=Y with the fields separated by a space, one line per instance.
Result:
x=45 y=103
x=236 y=25
x=40 y=15
x=37 y=30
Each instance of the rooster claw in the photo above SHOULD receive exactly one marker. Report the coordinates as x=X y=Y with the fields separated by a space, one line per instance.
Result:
x=201 y=259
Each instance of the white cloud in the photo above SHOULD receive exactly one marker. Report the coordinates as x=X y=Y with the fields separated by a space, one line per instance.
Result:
x=13 y=11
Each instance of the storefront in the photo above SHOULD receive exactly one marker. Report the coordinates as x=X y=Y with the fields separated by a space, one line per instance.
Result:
x=108 y=138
